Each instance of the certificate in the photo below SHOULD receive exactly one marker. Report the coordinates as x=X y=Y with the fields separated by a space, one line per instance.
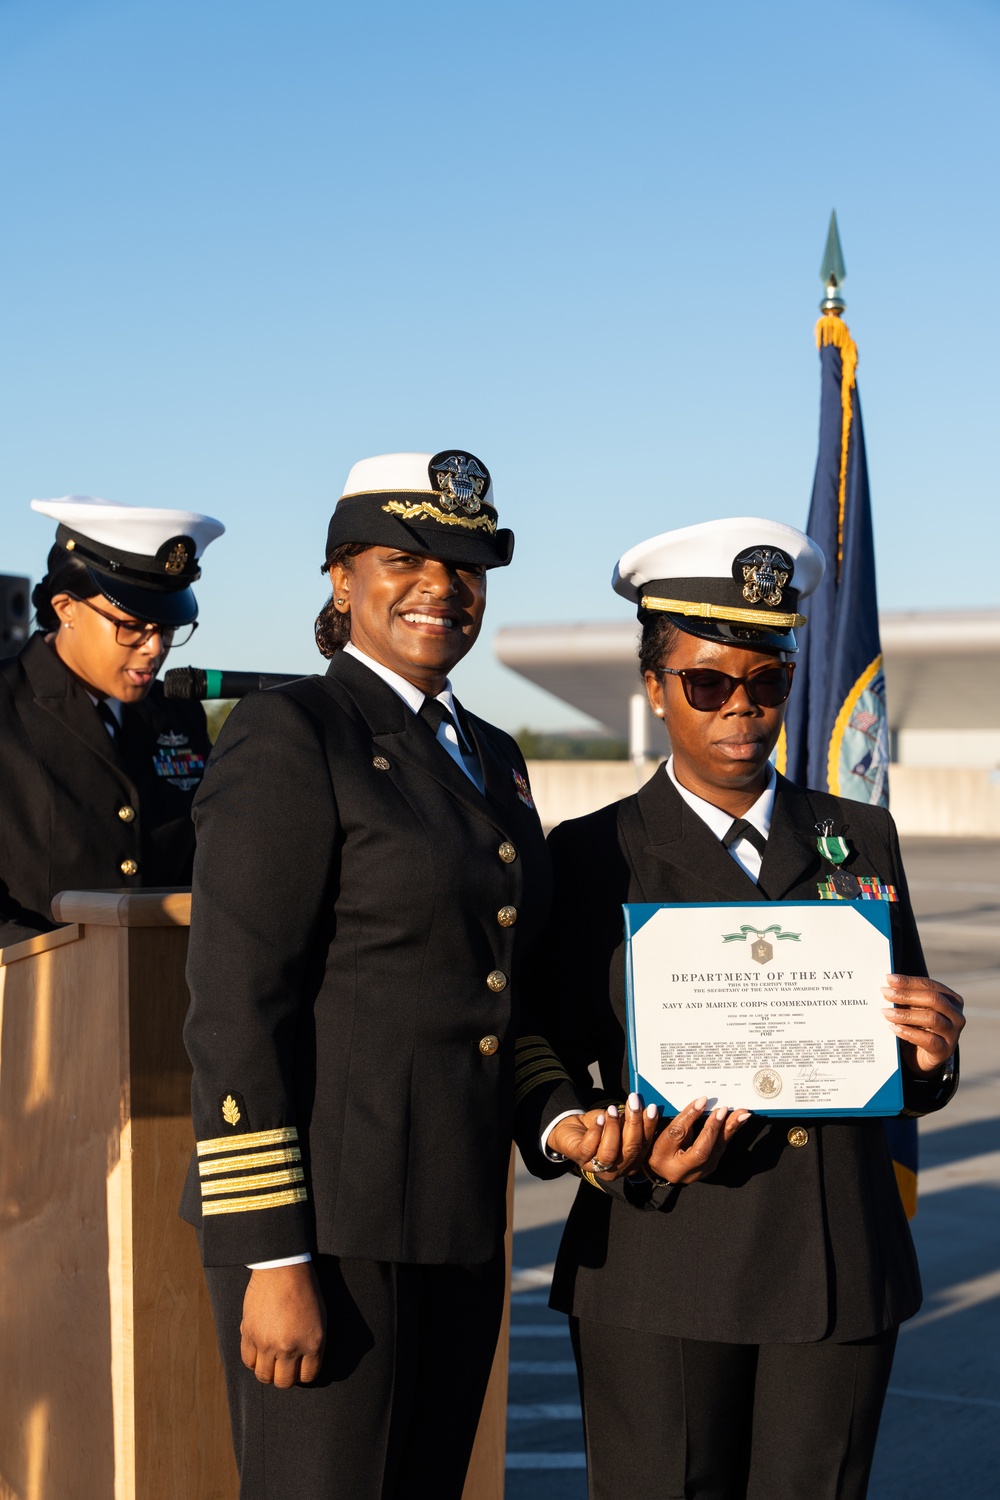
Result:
x=774 y=1007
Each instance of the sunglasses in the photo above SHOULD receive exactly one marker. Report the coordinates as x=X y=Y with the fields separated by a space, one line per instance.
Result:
x=707 y=690
x=135 y=633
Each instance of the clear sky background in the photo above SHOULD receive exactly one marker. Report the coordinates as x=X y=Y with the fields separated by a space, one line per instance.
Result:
x=247 y=243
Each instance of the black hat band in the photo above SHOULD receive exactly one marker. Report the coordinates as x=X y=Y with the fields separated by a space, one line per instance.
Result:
x=413 y=520
x=173 y=568
x=723 y=599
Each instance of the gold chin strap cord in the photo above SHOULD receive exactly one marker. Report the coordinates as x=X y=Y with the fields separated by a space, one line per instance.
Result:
x=755 y=617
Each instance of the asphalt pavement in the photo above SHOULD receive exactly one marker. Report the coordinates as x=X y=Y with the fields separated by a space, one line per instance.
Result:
x=940 y=1433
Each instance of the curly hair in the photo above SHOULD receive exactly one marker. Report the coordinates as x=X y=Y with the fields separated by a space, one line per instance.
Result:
x=333 y=629
x=656 y=643
x=65 y=574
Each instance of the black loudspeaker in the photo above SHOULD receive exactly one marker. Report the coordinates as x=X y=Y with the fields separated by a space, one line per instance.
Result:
x=15 y=610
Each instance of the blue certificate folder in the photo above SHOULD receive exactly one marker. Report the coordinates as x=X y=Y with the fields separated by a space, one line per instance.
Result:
x=888 y=1098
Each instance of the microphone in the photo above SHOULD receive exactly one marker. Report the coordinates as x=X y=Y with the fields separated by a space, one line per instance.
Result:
x=202 y=682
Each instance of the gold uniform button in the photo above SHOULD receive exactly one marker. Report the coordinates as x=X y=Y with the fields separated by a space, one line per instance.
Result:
x=497 y=980
x=129 y=867
x=507 y=916
x=488 y=1045
x=797 y=1136
x=507 y=852
x=126 y=813
x=380 y=763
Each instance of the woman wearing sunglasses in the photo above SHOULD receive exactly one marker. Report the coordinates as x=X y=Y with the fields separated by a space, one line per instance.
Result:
x=99 y=769
x=733 y=1315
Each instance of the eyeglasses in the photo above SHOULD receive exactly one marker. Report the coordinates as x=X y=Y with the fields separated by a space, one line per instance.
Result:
x=134 y=633
x=707 y=690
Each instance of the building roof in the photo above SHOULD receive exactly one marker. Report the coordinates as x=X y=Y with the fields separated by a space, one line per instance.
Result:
x=942 y=667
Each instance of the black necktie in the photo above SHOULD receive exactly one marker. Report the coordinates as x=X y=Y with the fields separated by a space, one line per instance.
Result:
x=108 y=719
x=434 y=714
x=741 y=829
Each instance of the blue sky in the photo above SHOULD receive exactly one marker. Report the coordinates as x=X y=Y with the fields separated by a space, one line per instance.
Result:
x=246 y=244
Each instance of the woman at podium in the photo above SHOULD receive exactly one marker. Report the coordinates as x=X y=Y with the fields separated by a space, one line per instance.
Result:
x=99 y=768
x=370 y=876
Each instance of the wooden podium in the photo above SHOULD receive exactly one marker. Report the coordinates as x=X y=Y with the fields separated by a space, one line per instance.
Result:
x=113 y=1386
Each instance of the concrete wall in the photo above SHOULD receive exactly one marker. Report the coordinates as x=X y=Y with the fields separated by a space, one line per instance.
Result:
x=961 y=802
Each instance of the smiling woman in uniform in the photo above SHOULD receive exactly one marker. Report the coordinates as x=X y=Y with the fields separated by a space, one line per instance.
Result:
x=733 y=1317
x=370 y=877
x=98 y=767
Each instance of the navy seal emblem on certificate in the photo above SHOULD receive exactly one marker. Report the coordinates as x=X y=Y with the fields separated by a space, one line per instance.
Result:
x=782 y=1019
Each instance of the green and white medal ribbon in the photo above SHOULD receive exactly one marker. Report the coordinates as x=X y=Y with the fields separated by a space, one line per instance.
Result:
x=833 y=849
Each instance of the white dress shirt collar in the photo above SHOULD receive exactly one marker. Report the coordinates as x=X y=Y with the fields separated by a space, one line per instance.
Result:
x=744 y=853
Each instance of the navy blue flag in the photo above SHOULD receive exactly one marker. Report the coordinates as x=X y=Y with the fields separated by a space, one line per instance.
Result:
x=836 y=735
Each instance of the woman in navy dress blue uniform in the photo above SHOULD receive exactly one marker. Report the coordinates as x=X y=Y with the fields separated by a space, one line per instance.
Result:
x=99 y=768
x=370 y=880
x=734 y=1310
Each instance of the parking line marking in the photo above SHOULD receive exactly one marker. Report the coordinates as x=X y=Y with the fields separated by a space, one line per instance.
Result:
x=542 y=1367
x=546 y=1460
x=544 y=1411
x=896 y=1390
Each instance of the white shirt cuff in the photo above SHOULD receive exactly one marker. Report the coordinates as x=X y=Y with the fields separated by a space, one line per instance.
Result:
x=554 y=1155
x=286 y=1260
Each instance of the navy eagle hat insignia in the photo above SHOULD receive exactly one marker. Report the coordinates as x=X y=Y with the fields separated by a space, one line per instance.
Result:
x=460 y=480
x=763 y=573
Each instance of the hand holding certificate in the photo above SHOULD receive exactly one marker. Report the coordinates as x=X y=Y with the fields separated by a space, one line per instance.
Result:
x=776 y=1008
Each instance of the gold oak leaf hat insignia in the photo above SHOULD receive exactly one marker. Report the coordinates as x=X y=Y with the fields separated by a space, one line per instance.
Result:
x=738 y=581
x=434 y=504
x=143 y=558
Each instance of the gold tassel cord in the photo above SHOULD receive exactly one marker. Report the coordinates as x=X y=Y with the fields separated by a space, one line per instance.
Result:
x=833 y=330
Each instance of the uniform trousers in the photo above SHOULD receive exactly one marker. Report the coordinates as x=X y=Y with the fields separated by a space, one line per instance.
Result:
x=393 y=1414
x=681 y=1419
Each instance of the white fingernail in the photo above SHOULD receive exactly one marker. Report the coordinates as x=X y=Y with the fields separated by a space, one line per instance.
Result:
x=613 y=1111
x=652 y=1111
x=720 y=1114
x=634 y=1102
x=600 y=1119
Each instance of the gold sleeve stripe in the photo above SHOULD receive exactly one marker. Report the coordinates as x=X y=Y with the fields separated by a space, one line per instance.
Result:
x=249 y=1162
x=589 y=1177
x=536 y=1064
x=264 y=1200
x=526 y=1041
x=533 y=1054
x=245 y=1184
x=528 y=1053
x=524 y=1089
x=531 y=1077
x=284 y=1135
